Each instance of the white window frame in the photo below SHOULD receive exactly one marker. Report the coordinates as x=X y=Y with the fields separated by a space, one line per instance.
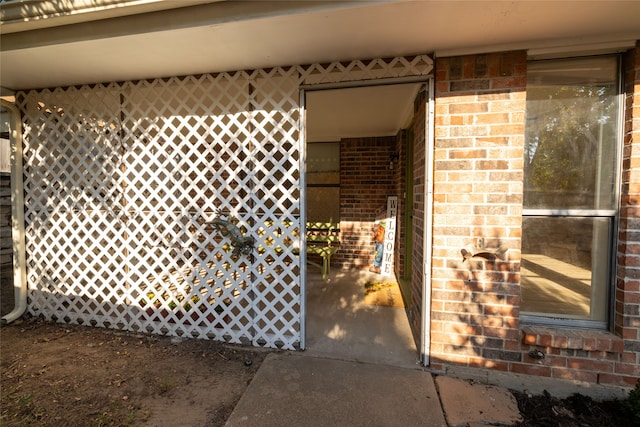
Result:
x=612 y=214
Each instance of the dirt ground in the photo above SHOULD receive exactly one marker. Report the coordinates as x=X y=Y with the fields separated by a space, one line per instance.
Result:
x=62 y=375
x=574 y=411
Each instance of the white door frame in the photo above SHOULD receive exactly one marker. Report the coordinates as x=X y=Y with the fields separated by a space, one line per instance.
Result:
x=425 y=333
x=427 y=250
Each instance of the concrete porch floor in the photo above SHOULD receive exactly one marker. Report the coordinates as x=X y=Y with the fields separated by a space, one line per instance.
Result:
x=341 y=326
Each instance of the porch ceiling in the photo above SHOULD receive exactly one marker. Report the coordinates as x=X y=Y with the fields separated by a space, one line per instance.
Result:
x=359 y=112
x=229 y=35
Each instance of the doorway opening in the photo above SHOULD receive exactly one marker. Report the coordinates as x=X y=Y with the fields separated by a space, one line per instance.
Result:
x=358 y=161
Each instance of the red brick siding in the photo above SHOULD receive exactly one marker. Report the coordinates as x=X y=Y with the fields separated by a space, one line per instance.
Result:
x=627 y=297
x=479 y=126
x=366 y=179
x=478 y=174
x=365 y=182
x=419 y=191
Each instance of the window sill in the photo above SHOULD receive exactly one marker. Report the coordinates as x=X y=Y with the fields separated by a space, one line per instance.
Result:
x=572 y=339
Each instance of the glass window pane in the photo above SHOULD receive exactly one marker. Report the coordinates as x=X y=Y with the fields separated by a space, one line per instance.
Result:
x=565 y=267
x=571 y=134
x=323 y=182
x=323 y=157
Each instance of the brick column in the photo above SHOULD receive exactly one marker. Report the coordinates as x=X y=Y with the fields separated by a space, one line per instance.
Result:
x=627 y=298
x=479 y=140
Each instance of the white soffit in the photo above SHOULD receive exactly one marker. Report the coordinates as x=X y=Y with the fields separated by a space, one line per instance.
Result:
x=359 y=112
x=36 y=14
x=229 y=35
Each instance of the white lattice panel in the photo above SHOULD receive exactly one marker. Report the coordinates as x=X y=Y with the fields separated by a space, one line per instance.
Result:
x=189 y=153
x=372 y=69
x=79 y=278
x=71 y=178
x=275 y=198
x=122 y=181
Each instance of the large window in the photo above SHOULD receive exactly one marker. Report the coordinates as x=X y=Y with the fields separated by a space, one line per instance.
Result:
x=570 y=190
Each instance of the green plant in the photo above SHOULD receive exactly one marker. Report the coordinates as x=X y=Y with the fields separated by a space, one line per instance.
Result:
x=28 y=407
x=633 y=402
x=172 y=304
x=117 y=415
x=165 y=385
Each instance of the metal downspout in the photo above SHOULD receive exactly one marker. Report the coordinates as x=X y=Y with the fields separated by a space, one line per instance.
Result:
x=427 y=250
x=17 y=217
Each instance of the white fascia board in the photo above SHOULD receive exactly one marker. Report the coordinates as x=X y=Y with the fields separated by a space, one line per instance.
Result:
x=27 y=16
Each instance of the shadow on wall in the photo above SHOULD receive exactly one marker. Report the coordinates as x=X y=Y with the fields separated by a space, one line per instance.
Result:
x=478 y=322
x=356 y=245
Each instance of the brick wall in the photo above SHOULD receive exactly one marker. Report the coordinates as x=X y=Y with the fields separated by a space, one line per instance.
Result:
x=366 y=179
x=419 y=190
x=365 y=182
x=627 y=298
x=480 y=107
x=478 y=175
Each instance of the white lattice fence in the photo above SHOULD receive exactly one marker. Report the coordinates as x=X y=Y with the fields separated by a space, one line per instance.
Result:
x=71 y=176
x=275 y=199
x=122 y=180
x=187 y=154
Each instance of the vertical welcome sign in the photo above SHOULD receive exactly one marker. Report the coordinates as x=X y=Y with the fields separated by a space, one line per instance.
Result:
x=390 y=235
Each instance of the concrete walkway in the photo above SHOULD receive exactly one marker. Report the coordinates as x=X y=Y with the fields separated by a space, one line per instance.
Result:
x=292 y=389
x=360 y=368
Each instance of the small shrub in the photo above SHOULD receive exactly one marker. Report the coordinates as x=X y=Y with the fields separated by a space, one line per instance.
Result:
x=165 y=385
x=633 y=403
